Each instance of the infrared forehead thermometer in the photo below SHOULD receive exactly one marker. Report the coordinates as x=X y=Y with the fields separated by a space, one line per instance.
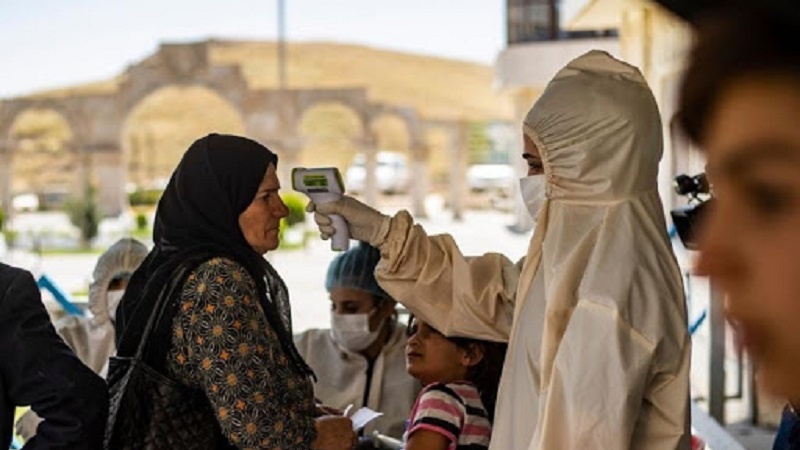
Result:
x=324 y=185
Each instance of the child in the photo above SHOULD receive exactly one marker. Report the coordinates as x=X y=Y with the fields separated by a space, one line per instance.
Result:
x=456 y=408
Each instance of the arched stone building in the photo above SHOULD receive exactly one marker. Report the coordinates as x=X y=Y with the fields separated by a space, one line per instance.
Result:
x=97 y=122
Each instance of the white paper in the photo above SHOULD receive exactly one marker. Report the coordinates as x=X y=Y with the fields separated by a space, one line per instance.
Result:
x=362 y=417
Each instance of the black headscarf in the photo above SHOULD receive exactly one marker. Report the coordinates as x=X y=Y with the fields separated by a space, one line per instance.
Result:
x=198 y=219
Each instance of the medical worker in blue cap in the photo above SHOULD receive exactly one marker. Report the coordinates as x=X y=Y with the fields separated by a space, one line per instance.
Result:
x=360 y=360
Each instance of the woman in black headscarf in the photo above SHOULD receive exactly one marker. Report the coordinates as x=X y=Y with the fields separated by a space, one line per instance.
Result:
x=227 y=332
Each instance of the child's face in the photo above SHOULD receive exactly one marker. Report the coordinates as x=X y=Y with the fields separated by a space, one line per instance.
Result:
x=431 y=357
x=751 y=240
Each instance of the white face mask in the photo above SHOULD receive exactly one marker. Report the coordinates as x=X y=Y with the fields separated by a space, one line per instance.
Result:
x=352 y=331
x=533 y=188
x=113 y=298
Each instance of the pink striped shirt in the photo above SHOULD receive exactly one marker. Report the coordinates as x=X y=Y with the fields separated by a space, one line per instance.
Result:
x=454 y=410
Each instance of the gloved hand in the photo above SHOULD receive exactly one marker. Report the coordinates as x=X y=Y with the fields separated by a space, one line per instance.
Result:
x=27 y=425
x=365 y=223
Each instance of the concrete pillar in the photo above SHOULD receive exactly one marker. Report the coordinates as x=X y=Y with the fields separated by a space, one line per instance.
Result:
x=419 y=181
x=111 y=174
x=635 y=36
x=271 y=120
x=657 y=44
x=370 y=168
x=458 y=172
x=6 y=176
x=288 y=151
x=716 y=388
x=83 y=169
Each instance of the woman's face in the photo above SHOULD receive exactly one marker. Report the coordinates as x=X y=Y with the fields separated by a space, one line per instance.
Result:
x=533 y=159
x=355 y=301
x=431 y=357
x=751 y=241
x=260 y=222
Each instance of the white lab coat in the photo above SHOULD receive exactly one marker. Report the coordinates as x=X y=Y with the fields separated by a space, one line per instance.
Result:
x=342 y=378
x=595 y=314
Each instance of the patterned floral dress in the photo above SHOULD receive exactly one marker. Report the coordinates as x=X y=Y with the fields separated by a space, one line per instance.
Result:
x=223 y=345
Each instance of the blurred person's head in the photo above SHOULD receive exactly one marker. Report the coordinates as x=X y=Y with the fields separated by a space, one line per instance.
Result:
x=362 y=313
x=111 y=275
x=740 y=102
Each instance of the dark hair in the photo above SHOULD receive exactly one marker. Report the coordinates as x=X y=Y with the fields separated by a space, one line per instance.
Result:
x=486 y=374
x=752 y=38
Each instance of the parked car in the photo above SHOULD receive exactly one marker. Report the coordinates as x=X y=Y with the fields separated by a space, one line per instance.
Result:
x=491 y=177
x=393 y=175
x=25 y=202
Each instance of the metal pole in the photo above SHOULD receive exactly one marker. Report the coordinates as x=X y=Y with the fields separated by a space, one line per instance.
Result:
x=716 y=395
x=281 y=45
x=288 y=153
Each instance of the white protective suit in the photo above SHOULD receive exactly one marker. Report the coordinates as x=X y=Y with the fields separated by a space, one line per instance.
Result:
x=595 y=313
x=342 y=378
x=92 y=338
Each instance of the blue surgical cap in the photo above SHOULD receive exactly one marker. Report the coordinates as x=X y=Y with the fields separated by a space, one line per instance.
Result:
x=355 y=269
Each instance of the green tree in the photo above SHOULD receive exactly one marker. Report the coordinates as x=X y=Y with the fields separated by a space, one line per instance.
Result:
x=479 y=145
x=141 y=221
x=84 y=213
x=297 y=207
x=296 y=204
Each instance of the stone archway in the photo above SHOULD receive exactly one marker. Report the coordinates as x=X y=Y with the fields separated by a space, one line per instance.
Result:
x=395 y=131
x=159 y=129
x=69 y=116
x=331 y=134
x=181 y=65
x=99 y=119
x=44 y=157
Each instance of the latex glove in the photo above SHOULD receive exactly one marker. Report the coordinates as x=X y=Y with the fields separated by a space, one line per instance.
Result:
x=364 y=222
x=27 y=425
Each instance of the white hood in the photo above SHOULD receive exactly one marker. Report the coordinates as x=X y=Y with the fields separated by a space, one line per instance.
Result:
x=124 y=257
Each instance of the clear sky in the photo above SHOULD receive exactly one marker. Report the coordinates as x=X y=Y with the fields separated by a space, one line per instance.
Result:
x=53 y=43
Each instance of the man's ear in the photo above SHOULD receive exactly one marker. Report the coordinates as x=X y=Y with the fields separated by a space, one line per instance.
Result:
x=472 y=355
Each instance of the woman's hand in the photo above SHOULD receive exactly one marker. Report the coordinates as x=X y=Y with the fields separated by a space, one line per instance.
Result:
x=323 y=410
x=27 y=424
x=334 y=433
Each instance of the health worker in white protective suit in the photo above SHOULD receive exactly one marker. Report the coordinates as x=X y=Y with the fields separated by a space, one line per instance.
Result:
x=360 y=360
x=92 y=337
x=595 y=314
